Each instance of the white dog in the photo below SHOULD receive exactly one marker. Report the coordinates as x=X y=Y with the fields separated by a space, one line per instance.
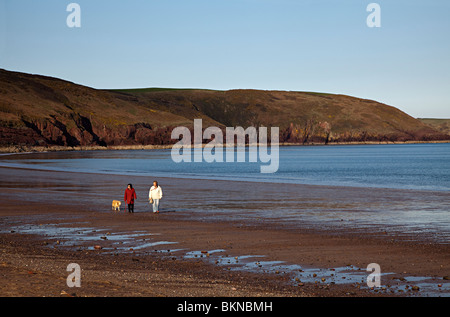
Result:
x=116 y=205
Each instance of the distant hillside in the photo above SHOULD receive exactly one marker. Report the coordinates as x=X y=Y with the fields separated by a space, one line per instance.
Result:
x=44 y=111
x=441 y=125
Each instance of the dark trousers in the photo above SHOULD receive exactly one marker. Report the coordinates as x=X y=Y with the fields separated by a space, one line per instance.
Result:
x=130 y=208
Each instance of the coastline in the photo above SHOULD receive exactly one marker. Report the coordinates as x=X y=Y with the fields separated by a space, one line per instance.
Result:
x=58 y=148
x=42 y=249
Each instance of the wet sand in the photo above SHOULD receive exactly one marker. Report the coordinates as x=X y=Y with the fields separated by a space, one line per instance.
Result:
x=51 y=219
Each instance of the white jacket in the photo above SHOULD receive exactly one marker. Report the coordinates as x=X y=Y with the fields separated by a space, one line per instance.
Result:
x=155 y=192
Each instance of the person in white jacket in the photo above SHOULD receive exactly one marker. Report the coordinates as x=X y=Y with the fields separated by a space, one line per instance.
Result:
x=154 y=196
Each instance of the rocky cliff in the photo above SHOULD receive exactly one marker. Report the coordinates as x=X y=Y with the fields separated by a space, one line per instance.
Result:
x=44 y=111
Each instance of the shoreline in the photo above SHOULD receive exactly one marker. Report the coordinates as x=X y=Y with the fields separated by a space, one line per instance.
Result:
x=56 y=148
x=200 y=185
x=250 y=182
x=36 y=245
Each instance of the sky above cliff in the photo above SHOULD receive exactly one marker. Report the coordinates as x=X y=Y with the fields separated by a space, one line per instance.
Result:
x=299 y=45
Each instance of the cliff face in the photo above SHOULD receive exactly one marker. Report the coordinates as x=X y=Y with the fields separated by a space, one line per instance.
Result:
x=42 y=111
x=54 y=132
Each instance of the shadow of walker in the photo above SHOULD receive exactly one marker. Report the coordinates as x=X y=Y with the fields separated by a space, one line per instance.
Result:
x=165 y=211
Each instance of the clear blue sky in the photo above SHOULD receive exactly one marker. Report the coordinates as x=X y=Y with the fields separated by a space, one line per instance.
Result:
x=302 y=45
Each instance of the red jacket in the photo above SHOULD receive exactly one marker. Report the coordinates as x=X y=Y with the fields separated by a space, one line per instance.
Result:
x=130 y=196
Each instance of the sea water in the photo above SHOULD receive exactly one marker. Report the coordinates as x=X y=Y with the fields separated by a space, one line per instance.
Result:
x=406 y=166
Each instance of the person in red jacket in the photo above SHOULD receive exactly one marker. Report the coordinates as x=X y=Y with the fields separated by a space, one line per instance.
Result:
x=129 y=197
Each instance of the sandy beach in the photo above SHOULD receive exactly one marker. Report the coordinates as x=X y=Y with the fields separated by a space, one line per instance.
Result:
x=51 y=219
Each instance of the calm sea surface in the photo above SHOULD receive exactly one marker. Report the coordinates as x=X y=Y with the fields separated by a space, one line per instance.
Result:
x=409 y=166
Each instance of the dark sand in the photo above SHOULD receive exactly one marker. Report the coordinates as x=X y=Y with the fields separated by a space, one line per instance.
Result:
x=33 y=258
